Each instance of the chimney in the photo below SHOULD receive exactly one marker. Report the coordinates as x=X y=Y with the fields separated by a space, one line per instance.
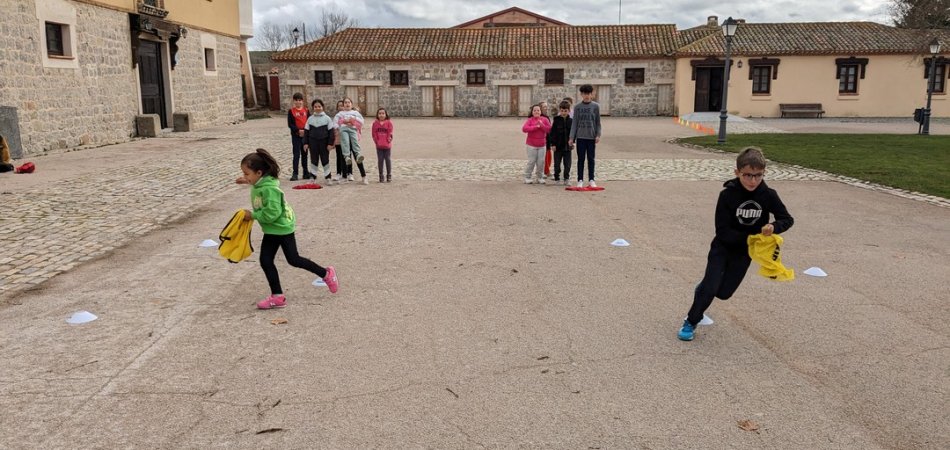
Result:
x=740 y=20
x=712 y=21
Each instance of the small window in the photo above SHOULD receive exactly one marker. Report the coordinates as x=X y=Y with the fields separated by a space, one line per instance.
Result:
x=323 y=77
x=475 y=77
x=633 y=76
x=761 y=79
x=209 y=60
x=399 y=78
x=554 y=77
x=940 y=74
x=848 y=79
x=55 y=45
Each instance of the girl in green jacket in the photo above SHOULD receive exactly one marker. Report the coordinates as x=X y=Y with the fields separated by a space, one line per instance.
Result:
x=278 y=222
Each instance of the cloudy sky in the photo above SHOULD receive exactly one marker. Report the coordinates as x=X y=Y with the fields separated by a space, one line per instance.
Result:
x=683 y=13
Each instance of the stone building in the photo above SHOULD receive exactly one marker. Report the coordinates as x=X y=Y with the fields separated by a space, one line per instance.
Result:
x=81 y=72
x=485 y=72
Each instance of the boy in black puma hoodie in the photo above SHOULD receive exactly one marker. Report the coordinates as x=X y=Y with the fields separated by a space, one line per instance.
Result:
x=743 y=209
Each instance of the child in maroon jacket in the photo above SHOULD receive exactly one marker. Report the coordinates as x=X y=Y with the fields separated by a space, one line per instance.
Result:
x=383 y=137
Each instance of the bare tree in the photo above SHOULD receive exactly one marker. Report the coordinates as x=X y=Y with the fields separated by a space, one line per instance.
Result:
x=921 y=13
x=273 y=37
x=333 y=21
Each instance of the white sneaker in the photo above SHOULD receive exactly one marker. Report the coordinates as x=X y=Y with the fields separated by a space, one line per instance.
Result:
x=365 y=180
x=336 y=178
x=592 y=183
x=580 y=184
x=541 y=181
x=527 y=181
x=349 y=177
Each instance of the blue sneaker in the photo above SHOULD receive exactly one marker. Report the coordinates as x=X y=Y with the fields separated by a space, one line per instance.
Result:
x=686 y=333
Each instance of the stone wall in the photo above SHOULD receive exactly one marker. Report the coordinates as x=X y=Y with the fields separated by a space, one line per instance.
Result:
x=95 y=103
x=67 y=107
x=482 y=101
x=211 y=99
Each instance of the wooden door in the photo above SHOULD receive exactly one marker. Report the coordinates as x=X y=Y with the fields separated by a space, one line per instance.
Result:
x=504 y=101
x=428 y=102
x=448 y=101
x=151 y=80
x=664 y=100
x=353 y=92
x=437 y=101
x=260 y=89
x=274 y=92
x=524 y=101
x=602 y=97
x=372 y=101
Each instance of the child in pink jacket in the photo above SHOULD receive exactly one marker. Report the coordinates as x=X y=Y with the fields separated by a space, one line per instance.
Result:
x=383 y=137
x=537 y=127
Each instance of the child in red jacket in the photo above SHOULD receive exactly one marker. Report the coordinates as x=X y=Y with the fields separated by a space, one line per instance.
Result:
x=383 y=137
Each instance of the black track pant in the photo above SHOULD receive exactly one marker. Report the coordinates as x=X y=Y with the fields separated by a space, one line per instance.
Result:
x=725 y=270
x=269 y=245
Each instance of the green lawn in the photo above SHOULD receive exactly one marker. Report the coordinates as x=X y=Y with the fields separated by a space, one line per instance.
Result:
x=914 y=162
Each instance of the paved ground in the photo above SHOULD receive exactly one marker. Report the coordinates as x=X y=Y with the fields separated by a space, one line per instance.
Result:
x=474 y=311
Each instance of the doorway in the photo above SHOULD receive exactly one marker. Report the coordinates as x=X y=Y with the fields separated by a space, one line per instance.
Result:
x=438 y=101
x=708 y=89
x=152 y=80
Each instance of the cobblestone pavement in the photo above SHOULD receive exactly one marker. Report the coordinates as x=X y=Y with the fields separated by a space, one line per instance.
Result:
x=51 y=227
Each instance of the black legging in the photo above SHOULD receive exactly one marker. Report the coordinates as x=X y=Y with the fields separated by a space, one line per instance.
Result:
x=342 y=168
x=269 y=245
x=725 y=270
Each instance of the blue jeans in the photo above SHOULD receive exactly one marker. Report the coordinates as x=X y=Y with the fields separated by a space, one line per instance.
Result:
x=299 y=154
x=585 y=150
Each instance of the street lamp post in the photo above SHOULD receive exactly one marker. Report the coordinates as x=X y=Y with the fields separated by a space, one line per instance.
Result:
x=934 y=51
x=728 y=30
x=296 y=34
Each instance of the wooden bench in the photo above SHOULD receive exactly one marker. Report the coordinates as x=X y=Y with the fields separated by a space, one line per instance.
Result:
x=801 y=108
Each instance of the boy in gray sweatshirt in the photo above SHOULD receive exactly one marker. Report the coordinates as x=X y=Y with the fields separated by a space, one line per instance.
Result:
x=585 y=131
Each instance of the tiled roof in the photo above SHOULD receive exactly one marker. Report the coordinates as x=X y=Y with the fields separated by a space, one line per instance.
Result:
x=515 y=43
x=512 y=9
x=690 y=35
x=812 y=38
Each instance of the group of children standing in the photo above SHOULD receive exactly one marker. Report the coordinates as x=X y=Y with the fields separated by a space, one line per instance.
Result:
x=573 y=125
x=315 y=133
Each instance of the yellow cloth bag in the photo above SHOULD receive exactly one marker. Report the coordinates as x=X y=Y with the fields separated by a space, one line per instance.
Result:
x=767 y=251
x=236 y=238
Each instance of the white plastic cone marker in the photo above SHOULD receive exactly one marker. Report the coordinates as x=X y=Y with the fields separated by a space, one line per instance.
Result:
x=706 y=320
x=815 y=272
x=319 y=282
x=81 y=317
x=620 y=243
x=208 y=243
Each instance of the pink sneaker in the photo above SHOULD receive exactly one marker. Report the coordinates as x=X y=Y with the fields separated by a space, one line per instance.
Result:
x=330 y=280
x=274 y=301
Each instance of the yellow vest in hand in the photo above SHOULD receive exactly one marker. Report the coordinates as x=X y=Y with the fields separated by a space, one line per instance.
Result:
x=236 y=238
x=767 y=251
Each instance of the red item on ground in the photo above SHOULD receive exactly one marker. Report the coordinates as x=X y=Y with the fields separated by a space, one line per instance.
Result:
x=308 y=186
x=583 y=189
x=26 y=168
